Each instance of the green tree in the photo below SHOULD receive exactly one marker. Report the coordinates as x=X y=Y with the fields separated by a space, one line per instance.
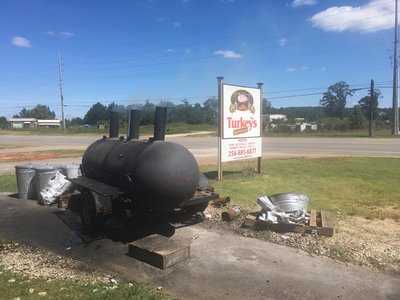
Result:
x=75 y=122
x=266 y=106
x=210 y=110
x=357 y=119
x=38 y=112
x=365 y=107
x=98 y=112
x=3 y=123
x=334 y=99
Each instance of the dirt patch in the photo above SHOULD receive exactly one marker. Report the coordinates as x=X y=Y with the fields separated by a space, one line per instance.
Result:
x=371 y=243
x=36 y=263
x=38 y=155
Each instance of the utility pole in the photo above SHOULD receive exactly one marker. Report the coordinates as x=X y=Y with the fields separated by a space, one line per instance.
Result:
x=61 y=83
x=371 y=104
x=395 y=130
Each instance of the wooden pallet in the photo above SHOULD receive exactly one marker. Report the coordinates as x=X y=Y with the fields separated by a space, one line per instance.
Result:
x=321 y=223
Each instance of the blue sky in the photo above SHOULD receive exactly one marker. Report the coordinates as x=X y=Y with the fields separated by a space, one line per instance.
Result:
x=130 y=51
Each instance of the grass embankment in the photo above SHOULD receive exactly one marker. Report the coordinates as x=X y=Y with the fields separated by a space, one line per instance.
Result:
x=39 y=155
x=14 y=286
x=381 y=133
x=172 y=128
x=8 y=183
x=366 y=187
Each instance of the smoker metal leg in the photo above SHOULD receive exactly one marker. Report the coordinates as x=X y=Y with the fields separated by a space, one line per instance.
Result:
x=89 y=218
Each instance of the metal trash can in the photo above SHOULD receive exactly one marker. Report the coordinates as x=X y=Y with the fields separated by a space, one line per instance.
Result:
x=25 y=175
x=72 y=171
x=42 y=177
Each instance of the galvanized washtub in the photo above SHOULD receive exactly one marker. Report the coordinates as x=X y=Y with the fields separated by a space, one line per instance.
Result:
x=290 y=202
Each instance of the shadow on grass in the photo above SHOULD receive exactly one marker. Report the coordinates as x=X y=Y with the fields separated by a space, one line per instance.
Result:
x=245 y=172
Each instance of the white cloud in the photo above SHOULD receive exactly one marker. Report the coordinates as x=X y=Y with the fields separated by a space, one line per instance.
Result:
x=282 y=42
x=371 y=17
x=295 y=69
x=228 y=54
x=176 y=24
x=298 y=3
x=66 y=34
x=61 y=34
x=20 y=41
x=170 y=50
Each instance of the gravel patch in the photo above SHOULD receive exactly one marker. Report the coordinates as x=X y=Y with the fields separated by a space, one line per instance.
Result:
x=371 y=243
x=37 y=263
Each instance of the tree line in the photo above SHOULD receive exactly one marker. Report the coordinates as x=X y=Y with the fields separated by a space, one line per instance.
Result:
x=333 y=112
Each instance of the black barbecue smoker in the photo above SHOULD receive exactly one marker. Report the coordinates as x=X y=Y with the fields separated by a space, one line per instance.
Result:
x=126 y=177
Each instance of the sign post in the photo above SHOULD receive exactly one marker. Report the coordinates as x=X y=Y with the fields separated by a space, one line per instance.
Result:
x=239 y=123
x=220 y=122
x=259 y=159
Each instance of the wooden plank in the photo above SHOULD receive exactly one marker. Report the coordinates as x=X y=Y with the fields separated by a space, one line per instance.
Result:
x=328 y=223
x=313 y=217
x=159 y=251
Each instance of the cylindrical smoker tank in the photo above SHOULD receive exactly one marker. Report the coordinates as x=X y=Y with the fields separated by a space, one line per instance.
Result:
x=158 y=175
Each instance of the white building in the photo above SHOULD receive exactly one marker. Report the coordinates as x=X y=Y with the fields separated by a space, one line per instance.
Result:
x=277 y=117
x=22 y=122
x=307 y=126
x=48 y=123
x=32 y=122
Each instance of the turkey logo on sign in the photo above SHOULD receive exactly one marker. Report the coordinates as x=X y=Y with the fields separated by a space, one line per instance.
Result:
x=242 y=100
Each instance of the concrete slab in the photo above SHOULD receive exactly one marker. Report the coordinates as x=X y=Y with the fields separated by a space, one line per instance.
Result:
x=222 y=264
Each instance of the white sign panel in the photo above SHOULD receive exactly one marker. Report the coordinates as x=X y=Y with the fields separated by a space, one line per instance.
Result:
x=237 y=149
x=241 y=123
x=241 y=112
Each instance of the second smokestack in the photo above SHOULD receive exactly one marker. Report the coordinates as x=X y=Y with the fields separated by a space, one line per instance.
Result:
x=160 y=123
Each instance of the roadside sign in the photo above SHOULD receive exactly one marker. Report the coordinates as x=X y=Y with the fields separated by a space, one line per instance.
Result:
x=240 y=127
x=241 y=112
x=238 y=149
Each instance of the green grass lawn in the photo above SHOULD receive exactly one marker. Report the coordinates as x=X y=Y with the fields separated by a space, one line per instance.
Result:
x=8 y=183
x=172 y=128
x=368 y=187
x=381 y=133
x=13 y=286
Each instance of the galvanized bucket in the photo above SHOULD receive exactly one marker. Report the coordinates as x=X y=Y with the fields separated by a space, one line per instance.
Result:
x=25 y=175
x=42 y=177
x=290 y=202
x=72 y=171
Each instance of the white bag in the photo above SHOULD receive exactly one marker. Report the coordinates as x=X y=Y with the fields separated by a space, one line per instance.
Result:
x=56 y=187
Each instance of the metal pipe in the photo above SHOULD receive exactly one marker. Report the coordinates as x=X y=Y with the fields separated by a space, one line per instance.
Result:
x=134 y=124
x=114 y=124
x=160 y=121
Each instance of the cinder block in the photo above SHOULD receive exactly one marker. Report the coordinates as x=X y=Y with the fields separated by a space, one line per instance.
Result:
x=159 y=251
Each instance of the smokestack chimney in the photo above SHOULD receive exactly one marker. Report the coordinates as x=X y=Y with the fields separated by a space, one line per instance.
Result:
x=134 y=123
x=160 y=121
x=114 y=124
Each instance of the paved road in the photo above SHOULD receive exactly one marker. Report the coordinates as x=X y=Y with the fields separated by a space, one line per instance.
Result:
x=206 y=147
x=223 y=265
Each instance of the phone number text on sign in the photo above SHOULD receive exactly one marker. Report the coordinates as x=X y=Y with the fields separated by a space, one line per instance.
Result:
x=236 y=149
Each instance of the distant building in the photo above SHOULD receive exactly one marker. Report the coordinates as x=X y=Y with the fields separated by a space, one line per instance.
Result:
x=22 y=122
x=277 y=117
x=32 y=122
x=307 y=127
x=48 y=123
